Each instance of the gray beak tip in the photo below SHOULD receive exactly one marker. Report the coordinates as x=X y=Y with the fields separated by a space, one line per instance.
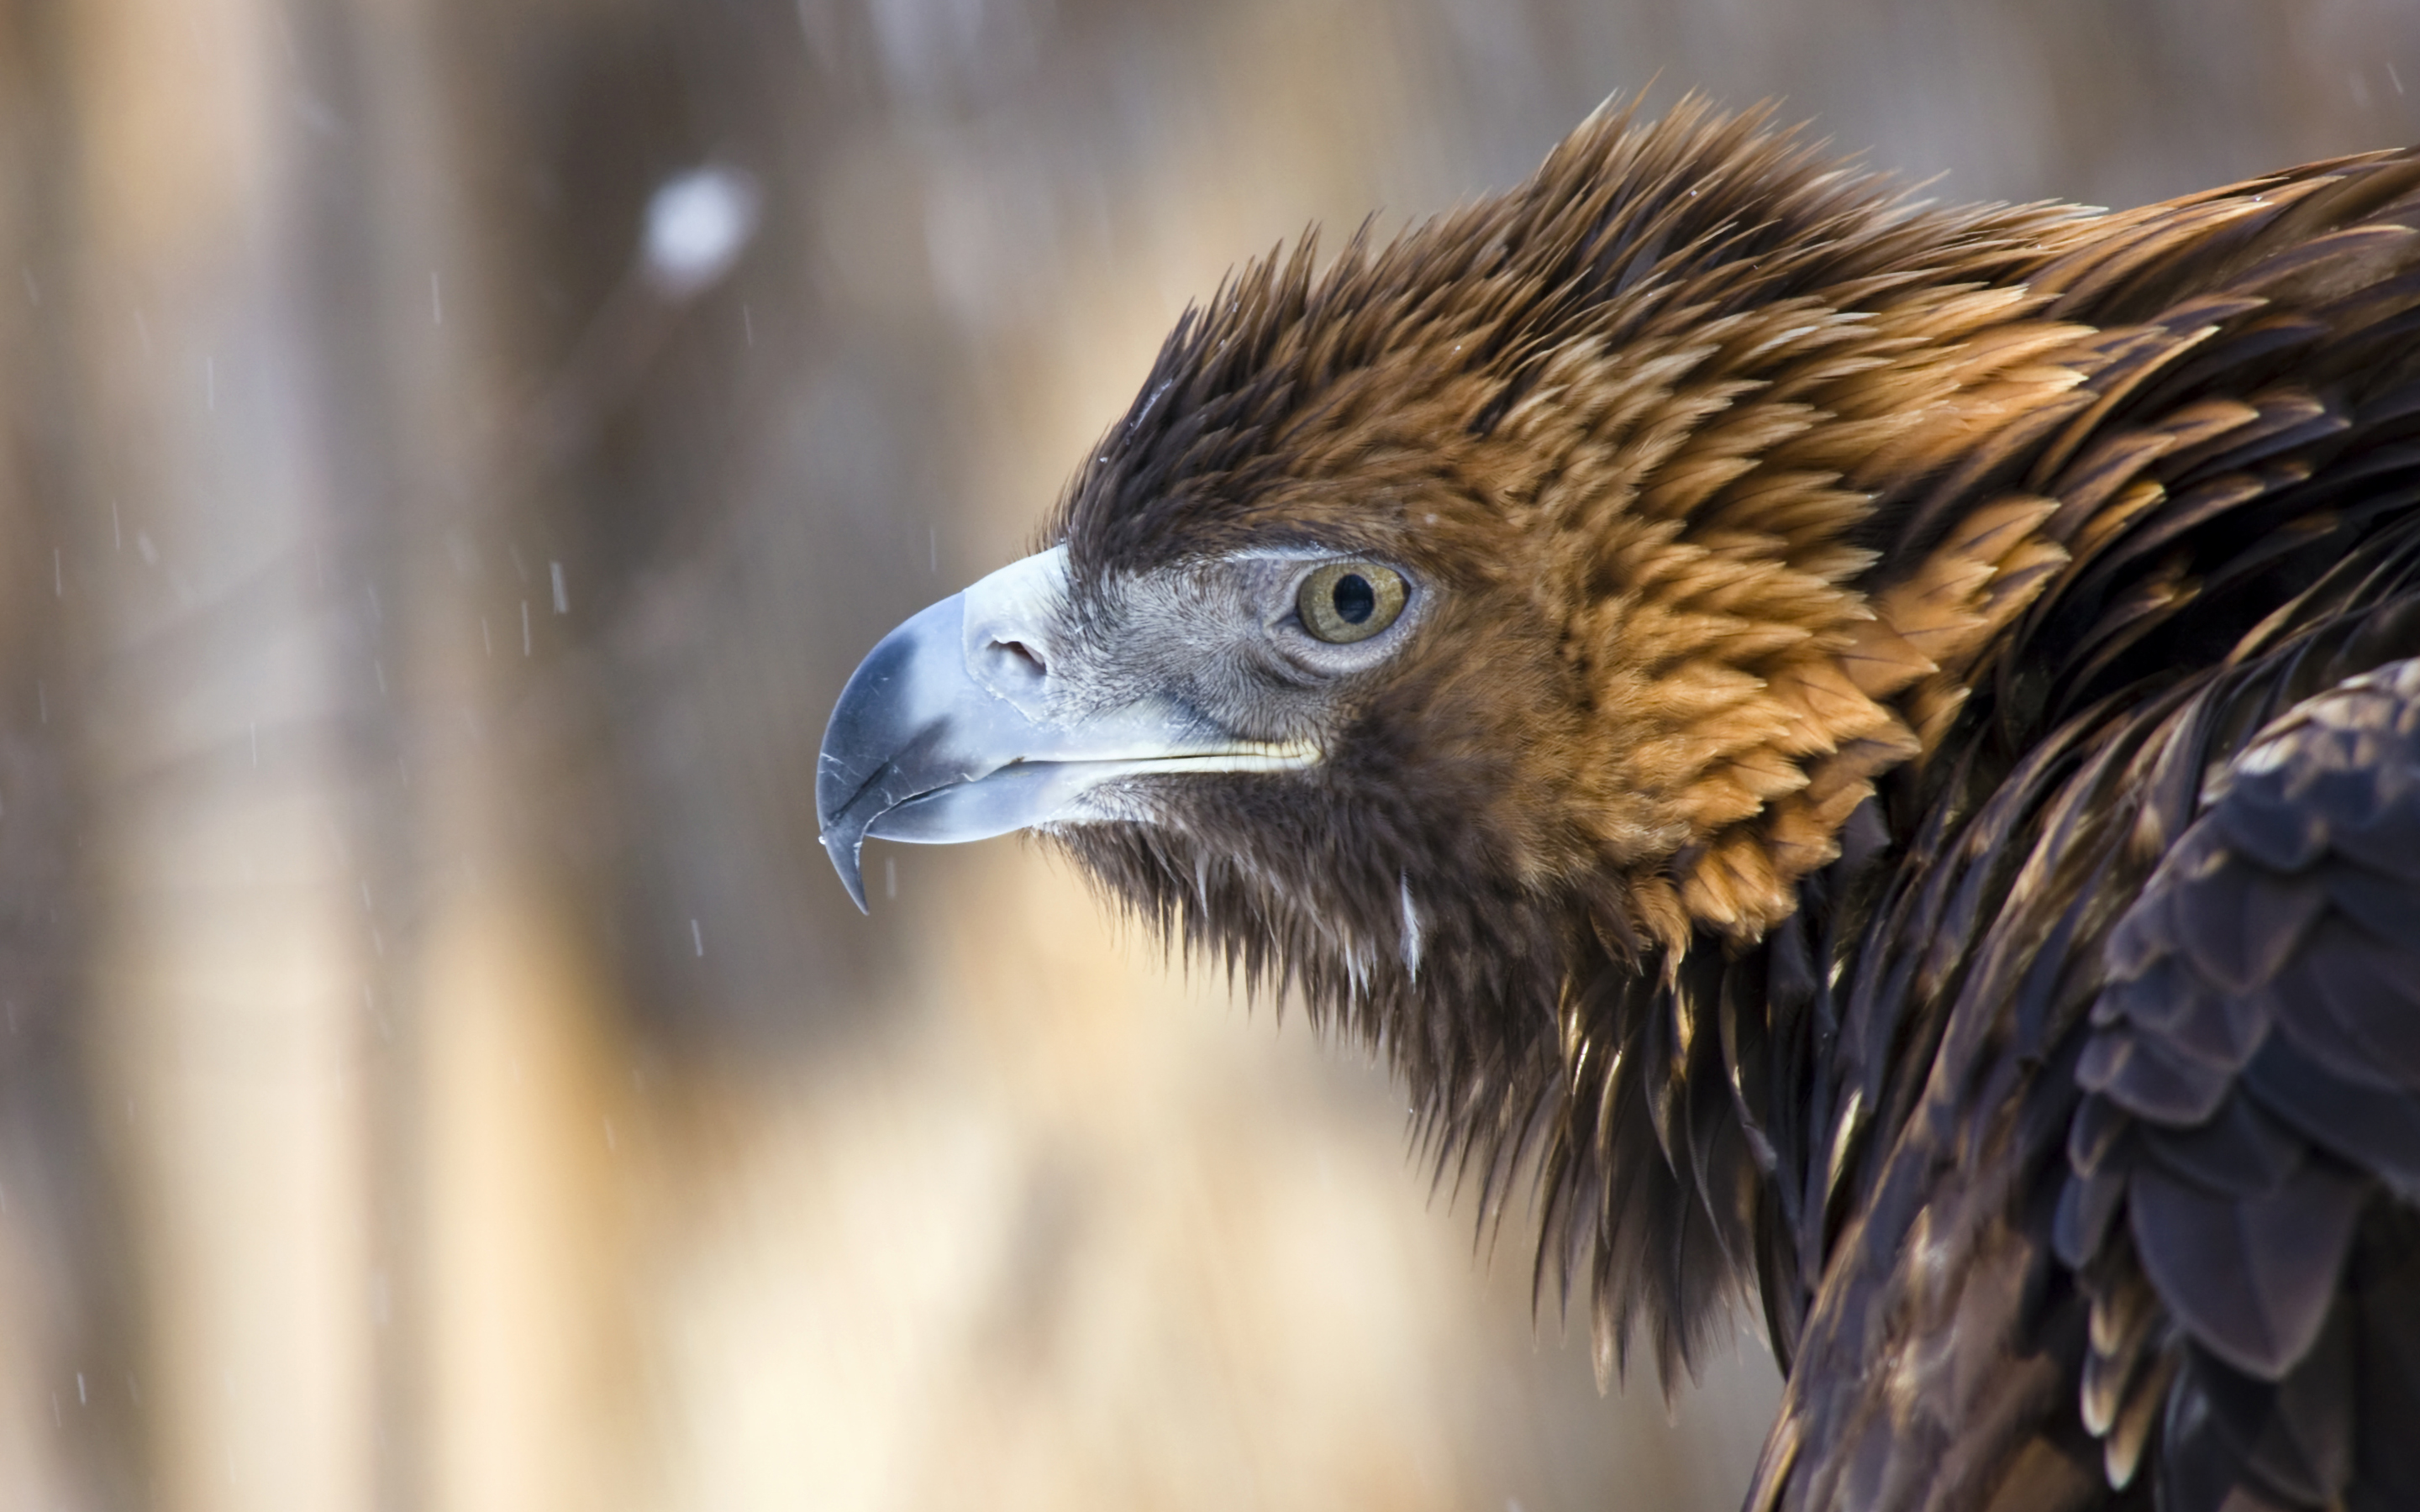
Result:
x=844 y=848
x=857 y=747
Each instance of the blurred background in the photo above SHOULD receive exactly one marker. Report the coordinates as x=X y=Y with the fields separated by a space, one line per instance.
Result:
x=450 y=454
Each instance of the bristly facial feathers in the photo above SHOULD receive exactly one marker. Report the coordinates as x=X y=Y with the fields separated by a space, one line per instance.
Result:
x=1751 y=692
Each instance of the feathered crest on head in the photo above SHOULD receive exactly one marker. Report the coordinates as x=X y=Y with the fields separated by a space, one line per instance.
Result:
x=1692 y=215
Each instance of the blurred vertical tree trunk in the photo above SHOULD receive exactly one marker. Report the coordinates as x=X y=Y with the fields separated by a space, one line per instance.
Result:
x=345 y=1010
x=505 y=1378
x=199 y=568
x=69 y=1401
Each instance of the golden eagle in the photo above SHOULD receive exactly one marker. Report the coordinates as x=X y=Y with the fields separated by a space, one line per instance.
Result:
x=1870 y=750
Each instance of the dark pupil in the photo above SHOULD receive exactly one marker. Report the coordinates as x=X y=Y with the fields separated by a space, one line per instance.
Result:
x=1354 y=598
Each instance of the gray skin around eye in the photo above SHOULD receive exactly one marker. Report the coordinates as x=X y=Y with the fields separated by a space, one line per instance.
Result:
x=1222 y=636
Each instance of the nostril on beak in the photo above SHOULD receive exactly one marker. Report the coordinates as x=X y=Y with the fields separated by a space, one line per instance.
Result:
x=1030 y=658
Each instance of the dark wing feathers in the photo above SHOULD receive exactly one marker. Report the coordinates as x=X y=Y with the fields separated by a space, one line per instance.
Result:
x=2244 y=1180
x=2375 y=1128
x=2297 y=1023
x=2249 y=1277
x=2125 y=1088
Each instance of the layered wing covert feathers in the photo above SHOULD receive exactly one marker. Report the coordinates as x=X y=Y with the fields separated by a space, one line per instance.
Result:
x=2252 y=1113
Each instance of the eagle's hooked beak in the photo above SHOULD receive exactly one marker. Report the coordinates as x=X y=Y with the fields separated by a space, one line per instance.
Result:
x=962 y=724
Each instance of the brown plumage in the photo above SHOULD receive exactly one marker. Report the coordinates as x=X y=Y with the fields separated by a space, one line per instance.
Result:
x=1895 y=796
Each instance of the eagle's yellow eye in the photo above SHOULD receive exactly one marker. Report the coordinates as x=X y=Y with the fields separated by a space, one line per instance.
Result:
x=1349 y=601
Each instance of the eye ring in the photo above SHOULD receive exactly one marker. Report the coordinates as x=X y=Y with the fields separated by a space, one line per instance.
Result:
x=1342 y=602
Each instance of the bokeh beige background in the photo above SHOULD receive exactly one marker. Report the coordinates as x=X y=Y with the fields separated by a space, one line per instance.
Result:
x=438 y=1070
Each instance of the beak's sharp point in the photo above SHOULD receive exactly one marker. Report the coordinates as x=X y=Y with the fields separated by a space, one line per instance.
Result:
x=843 y=844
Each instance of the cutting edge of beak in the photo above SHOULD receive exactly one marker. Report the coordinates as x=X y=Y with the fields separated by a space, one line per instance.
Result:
x=950 y=729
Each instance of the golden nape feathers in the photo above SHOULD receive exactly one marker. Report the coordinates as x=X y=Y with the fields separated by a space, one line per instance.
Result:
x=1868 y=751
